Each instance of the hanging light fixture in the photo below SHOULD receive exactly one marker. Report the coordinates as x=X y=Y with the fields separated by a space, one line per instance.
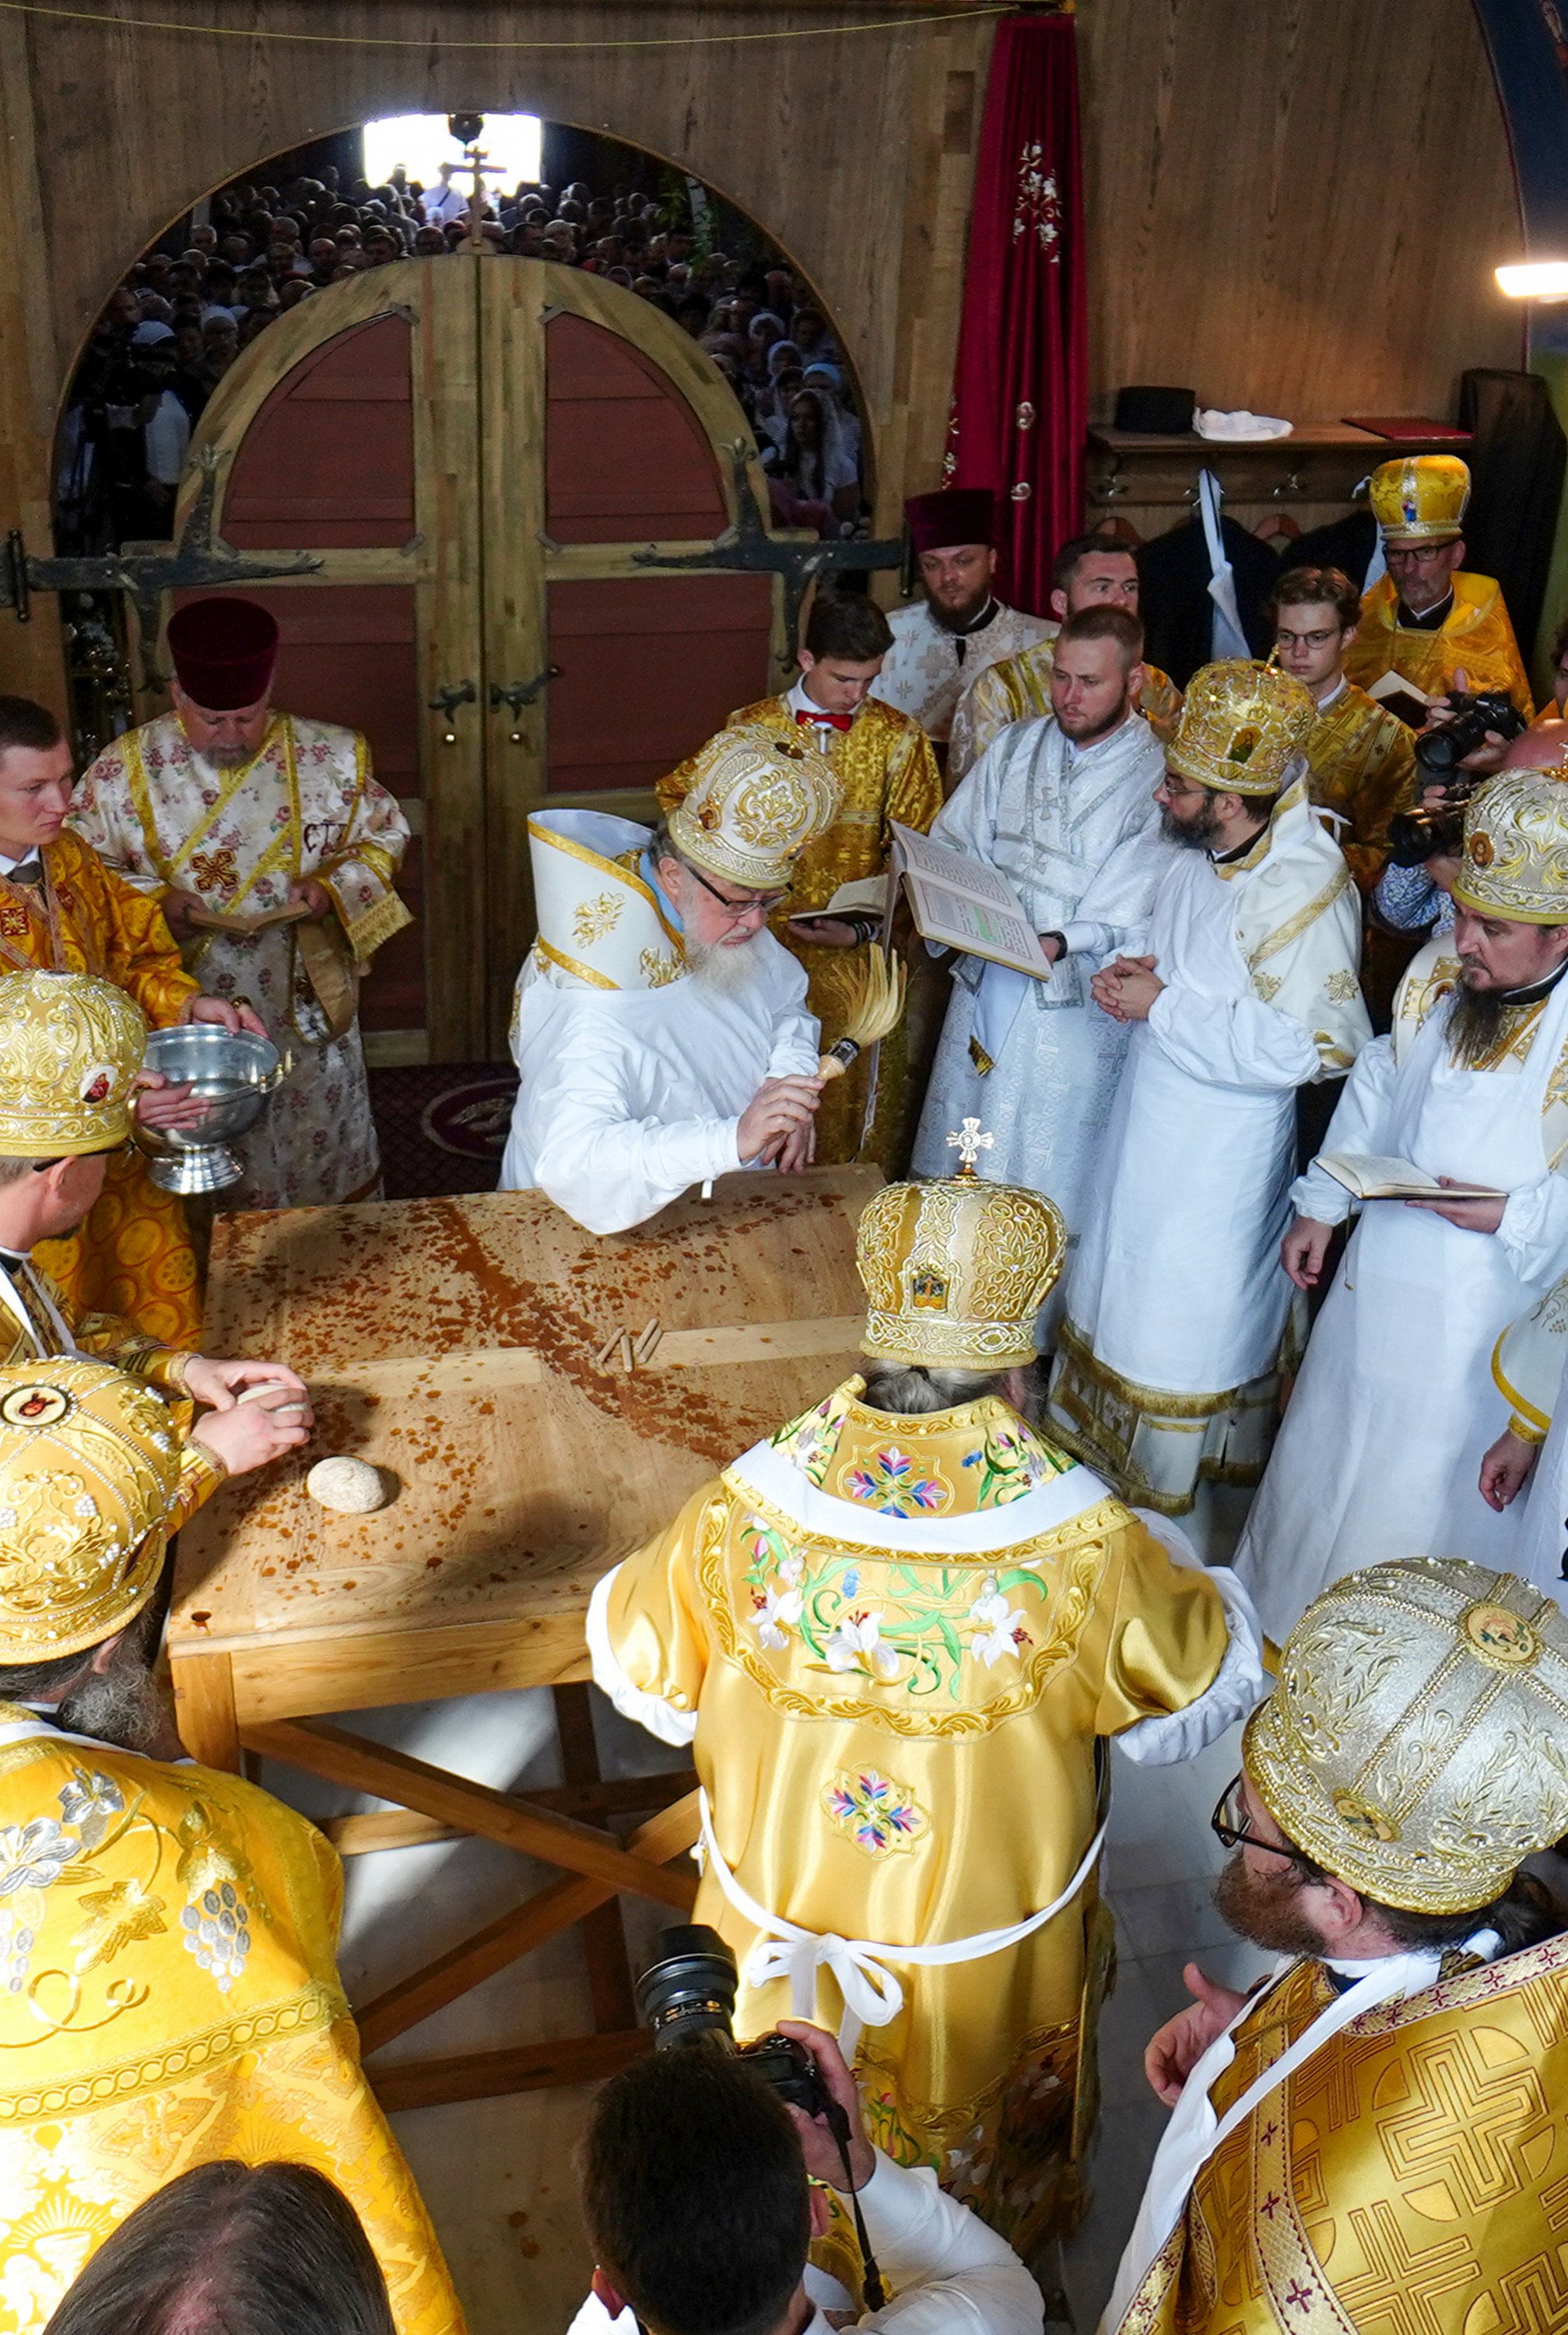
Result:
x=1534 y=280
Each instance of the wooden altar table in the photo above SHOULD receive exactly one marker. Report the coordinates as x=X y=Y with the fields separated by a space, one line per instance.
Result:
x=545 y=1399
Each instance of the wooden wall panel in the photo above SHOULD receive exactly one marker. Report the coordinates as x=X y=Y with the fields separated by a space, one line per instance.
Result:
x=1297 y=207
x=1293 y=206
x=832 y=144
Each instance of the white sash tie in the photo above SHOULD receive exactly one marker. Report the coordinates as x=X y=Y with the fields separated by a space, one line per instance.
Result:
x=872 y=1995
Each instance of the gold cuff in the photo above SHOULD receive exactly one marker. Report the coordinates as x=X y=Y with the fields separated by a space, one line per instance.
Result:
x=1524 y=1432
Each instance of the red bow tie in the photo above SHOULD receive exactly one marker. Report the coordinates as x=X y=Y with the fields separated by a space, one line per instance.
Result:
x=826 y=720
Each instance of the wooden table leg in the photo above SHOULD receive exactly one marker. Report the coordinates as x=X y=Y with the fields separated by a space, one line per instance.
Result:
x=604 y=1933
x=204 y=1708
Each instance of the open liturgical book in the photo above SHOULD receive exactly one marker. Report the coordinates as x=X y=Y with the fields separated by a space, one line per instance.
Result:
x=1369 y=1178
x=958 y=903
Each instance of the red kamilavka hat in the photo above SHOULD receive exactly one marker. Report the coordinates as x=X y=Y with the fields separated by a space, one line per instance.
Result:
x=224 y=652
x=955 y=515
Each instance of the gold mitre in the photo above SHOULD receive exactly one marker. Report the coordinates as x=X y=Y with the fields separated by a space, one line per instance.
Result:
x=755 y=802
x=1421 y=498
x=1415 y=1743
x=955 y=1272
x=89 y=1465
x=601 y=924
x=1240 y=727
x=1515 y=862
x=69 y=1048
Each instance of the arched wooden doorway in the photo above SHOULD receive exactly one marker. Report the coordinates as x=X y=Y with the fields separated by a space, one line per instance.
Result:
x=478 y=450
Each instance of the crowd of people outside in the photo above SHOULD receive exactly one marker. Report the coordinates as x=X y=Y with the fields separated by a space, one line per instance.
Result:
x=183 y=316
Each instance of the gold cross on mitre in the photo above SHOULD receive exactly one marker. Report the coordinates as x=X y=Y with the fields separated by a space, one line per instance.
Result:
x=969 y=1143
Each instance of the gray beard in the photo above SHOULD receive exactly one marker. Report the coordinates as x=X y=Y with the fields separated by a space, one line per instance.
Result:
x=226 y=758
x=725 y=971
x=120 y=1705
x=1474 y=1022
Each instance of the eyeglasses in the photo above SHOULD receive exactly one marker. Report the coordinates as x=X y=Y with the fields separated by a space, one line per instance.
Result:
x=1416 y=555
x=1229 y=1824
x=1288 y=640
x=760 y=903
x=1174 y=790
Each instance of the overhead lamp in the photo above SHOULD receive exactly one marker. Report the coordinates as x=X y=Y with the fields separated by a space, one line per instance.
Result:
x=1534 y=280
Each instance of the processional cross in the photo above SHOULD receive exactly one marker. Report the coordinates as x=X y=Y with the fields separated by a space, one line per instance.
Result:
x=475 y=239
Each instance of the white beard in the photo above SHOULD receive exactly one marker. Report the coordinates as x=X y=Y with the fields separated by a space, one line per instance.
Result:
x=727 y=969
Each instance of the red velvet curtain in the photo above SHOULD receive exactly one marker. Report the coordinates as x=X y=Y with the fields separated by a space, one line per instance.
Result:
x=1019 y=394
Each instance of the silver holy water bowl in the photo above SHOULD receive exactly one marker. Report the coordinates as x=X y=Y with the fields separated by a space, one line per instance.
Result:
x=233 y=1072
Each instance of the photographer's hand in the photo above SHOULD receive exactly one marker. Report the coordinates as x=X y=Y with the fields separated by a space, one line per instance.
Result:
x=819 y=2146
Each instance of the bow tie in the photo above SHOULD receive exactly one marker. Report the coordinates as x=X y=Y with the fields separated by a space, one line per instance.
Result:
x=826 y=720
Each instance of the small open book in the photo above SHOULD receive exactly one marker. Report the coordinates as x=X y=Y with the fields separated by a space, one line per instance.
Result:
x=1371 y=1178
x=1403 y=697
x=865 y=897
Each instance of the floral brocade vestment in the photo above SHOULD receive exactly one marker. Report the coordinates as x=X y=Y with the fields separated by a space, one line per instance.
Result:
x=168 y=1996
x=893 y=1642
x=305 y=806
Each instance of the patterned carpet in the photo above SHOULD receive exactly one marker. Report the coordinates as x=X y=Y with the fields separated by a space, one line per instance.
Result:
x=442 y=1126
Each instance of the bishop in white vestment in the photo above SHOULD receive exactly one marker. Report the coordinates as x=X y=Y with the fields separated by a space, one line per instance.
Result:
x=1382 y=1445
x=274 y=854
x=1070 y=821
x=1176 y=1305
x=661 y=1032
x=958 y=626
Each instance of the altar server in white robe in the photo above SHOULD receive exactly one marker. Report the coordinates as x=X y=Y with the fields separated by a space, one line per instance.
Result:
x=1167 y=1361
x=660 y=1031
x=1382 y=1445
x=1064 y=809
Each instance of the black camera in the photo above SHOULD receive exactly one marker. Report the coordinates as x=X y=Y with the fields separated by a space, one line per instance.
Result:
x=1438 y=831
x=688 y=1996
x=1440 y=751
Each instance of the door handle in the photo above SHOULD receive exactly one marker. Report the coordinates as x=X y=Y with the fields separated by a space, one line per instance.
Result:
x=519 y=693
x=447 y=701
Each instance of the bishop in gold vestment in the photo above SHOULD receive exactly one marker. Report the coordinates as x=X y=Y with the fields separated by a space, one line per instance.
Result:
x=1475 y=638
x=896 y=1643
x=133 y=1255
x=1427 y=618
x=884 y=763
x=1391 y=2154
x=169 y=1993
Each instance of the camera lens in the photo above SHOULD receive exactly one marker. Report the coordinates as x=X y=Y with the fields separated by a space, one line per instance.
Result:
x=1439 y=750
x=690 y=1991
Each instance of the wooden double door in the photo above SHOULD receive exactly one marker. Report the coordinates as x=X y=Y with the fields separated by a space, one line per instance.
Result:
x=479 y=452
